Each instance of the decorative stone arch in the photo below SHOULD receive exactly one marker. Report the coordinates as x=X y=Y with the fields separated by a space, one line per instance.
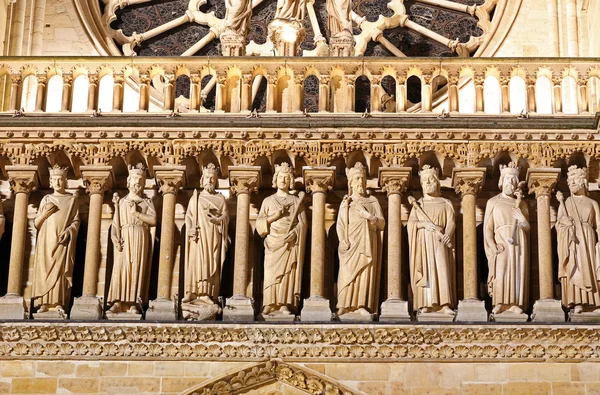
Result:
x=266 y=373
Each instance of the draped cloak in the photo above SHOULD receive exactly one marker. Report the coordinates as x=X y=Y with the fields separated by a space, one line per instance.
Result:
x=360 y=265
x=578 y=258
x=291 y=10
x=131 y=269
x=508 y=278
x=204 y=258
x=53 y=267
x=432 y=265
x=339 y=16
x=283 y=263
x=237 y=15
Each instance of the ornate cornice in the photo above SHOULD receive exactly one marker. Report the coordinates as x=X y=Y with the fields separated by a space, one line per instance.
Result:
x=330 y=343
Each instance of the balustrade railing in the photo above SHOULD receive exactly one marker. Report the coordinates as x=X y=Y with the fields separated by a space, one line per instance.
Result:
x=293 y=85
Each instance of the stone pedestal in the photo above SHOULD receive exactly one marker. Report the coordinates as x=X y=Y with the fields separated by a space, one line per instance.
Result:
x=50 y=316
x=471 y=310
x=394 y=310
x=356 y=317
x=161 y=310
x=12 y=307
x=232 y=43
x=435 y=317
x=286 y=36
x=586 y=316
x=316 y=309
x=200 y=311
x=341 y=45
x=277 y=316
x=548 y=310
x=509 y=316
x=123 y=316
x=238 y=308
x=86 y=308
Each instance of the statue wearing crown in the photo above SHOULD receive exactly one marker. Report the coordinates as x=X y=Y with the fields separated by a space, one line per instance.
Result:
x=506 y=242
x=359 y=228
x=282 y=223
x=130 y=233
x=577 y=227
x=431 y=226
x=57 y=223
x=206 y=222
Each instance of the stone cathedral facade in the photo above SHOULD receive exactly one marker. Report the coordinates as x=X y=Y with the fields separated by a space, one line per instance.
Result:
x=292 y=197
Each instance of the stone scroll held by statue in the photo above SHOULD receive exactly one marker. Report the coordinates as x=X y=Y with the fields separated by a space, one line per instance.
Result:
x=506 y=241
x=431 y=226
x=282 y=222
x=359 y=228
x=206 y=222
x=133 y=219
x=577 y=229
x=57 y=223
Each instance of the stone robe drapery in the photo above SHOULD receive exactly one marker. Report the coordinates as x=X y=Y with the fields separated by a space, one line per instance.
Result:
x=508 y=278
x=360 y=265
x=578 y=258
x=339 y=16
x=131 y=269
x=283 y=264
x=291 y=10
x=204 y=257
x=432 y=265
x=237 y=15
x=53 y=267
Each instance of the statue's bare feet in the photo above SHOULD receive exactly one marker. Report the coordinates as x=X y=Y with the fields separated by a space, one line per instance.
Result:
x=43 y=308
x=267 y=310
x=363 y=311
x=497 y=309
x=205 y=299
x=133 y=310
x=516 y=310
x=341 y=311
x=188 y=297
x=115 y=308
x=284 y=310
x=447 y=310
x=425 y=310
x=578 y=309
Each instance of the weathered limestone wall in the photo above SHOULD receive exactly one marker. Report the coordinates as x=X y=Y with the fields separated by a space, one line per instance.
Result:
x=106 y=377
x=63 y=32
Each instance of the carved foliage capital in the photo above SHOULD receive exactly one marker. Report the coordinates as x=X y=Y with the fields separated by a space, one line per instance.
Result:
x=468 y=181
x=318 y=180
x=244 y=179
x=97 y=181
x=170 y=180
x=541 y=182
x=394 y=180
x=23 y=180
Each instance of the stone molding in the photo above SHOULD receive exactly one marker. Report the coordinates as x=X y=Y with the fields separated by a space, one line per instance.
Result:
x=268 y=372
x=299 y=343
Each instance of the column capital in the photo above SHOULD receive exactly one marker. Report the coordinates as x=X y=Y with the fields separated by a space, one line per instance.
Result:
x=23 y=178
x=318 y=179
x=97 y=179
x=245 y=179
x=395 y=180
x=170 y=179
x=542 y=181
x=468 y=180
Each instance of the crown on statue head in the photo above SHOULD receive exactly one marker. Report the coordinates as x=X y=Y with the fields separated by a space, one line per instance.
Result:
x=358 y=169
x=139 y=169
x=210 y=170
x=427 y=169
x=576 y=172
x=56 y=170
x=284 y=168
x=511 y=169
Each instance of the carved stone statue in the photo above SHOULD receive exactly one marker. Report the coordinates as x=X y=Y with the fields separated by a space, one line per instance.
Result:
x=506 y=238
x=237 y=24
x=206 y=222
x=430 y=233
x=130 y=233
x=57 y=223
x=339 y=17
x=282 y=222
x=359 y=228
x=292 y=10
x=577 y=228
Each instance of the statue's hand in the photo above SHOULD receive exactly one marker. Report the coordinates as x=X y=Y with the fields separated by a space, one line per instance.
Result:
x=131 y=208
x=446 y=239
x=118 y=243
x=500 y=248
x=63 y=237
x=365 y=214
x=518 y=215
x=430 y=226
x=49 y=209
x=291 y=238
x=560 y=197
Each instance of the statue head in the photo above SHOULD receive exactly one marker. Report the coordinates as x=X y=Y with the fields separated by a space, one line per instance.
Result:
x=58 y=178
x=430 y=180
x=577 y=180
x=509 y=178
x=283 y=177
x=357 y=179
x=210 y=178
x=136 y=179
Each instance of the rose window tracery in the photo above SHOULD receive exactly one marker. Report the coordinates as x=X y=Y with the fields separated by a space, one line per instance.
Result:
x=380 y=27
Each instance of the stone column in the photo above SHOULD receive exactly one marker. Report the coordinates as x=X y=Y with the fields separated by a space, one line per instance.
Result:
x=453 y=98
x=97 y=180
x=467 y=182
x=67 y=93
x=92 y=97
x=541 y=182
x=244 y=181
x=426 y=94
x=23 y=180
x=318 y=181
x=40 y=98
x=144 y=103
x=395 y=181
x=479 y=93
x=170 y=179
